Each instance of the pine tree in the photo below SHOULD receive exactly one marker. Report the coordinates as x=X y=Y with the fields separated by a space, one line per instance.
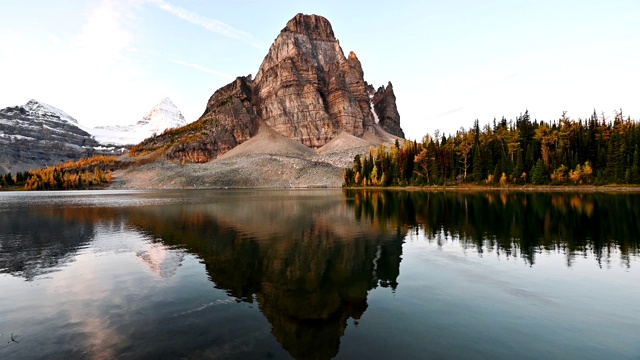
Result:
x=519 y=167
x=8 y=179
x=497 y=171
x=530 y=156
x=635 y=167
x=539 y=173
x=478 y=168
x=357 y=164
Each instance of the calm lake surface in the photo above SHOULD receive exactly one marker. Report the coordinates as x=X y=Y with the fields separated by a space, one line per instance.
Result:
x=319 y=274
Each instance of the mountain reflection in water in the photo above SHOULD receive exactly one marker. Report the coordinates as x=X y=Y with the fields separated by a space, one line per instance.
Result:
x=305 y=262
x=308 y=259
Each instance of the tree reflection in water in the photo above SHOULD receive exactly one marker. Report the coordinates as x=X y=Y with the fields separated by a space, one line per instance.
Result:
x=309 y=259
x=513 y=223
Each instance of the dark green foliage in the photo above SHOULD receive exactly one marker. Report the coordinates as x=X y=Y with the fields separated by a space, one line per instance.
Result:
x=478 y=166
x=8 y=180
x=523 y=150
x=635 y=167
x=539 y=175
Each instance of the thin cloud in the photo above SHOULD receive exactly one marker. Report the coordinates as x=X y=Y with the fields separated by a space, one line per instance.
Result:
x=213 y=25
x=449 y=112
x=203 y=69
x=104 y=38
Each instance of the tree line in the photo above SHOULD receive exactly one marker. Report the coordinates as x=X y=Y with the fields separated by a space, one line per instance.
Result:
x=86 y=173
x=596 y=150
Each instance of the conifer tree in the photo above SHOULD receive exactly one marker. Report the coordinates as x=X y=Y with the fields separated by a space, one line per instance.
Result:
x=635 y=167
x=8 y=179
x=539 y=174
x=478 y=168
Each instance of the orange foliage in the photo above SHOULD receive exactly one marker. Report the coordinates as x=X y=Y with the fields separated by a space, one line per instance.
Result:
x=82 y=174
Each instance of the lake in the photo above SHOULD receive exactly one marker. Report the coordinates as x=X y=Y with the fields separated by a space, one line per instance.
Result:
x=319 y=274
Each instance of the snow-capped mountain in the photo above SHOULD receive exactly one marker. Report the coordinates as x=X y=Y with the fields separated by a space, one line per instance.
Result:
x=37 y=135
x=163 y=116
x=47 y=112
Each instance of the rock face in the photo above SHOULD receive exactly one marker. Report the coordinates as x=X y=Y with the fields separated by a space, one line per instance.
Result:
x=228 y=121
x=384 y=104
x=306 y=89
x=165 y=115
x=37 y=135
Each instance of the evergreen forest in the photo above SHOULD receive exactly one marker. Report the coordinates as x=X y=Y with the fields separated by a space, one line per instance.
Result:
x=596 y=151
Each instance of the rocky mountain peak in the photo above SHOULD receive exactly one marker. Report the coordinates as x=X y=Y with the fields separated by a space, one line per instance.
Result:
x=36 y=135
x=384 y=104
x=41 y=110
x=306 y=89
x=314 y=26
x=164 y=115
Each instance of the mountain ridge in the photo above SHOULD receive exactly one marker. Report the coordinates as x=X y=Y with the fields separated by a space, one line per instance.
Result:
x=37 y=135
x=306 y=89
x=304 y=117
x=162 y=116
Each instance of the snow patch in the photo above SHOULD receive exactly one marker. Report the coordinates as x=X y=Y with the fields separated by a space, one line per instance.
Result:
x=16 y=137
x=163 y=116
x=373 y=111
x=45 y=111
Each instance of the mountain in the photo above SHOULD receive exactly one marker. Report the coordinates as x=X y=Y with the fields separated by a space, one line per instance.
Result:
x=164 y=115
x=384 y=103
x=37 y=135
x=306 y=89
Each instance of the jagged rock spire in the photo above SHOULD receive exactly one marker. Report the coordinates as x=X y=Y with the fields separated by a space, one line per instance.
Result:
x=306 y=89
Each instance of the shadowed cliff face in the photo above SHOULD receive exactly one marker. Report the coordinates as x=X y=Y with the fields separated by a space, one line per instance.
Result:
x=306 y=89
x=384 y=104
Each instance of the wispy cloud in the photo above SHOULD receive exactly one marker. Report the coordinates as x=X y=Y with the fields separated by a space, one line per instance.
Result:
x=104 y=38
x=213 y=25
x=449 y=112
x=203 y=69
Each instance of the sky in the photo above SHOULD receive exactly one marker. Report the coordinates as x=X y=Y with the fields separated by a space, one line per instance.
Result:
x=108 y=62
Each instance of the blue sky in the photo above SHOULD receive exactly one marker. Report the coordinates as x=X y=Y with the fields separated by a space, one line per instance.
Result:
x=451 y=62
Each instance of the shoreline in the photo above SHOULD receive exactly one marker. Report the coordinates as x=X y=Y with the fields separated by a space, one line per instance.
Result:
x=119 y=184
x=522 y=188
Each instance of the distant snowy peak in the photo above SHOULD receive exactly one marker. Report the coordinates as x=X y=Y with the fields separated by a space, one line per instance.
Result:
x=41 y=110
x=163 y=116
x=37 y=135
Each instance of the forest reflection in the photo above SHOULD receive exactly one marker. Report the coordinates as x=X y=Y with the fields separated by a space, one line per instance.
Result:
x=521 y=224
x=310 y=259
